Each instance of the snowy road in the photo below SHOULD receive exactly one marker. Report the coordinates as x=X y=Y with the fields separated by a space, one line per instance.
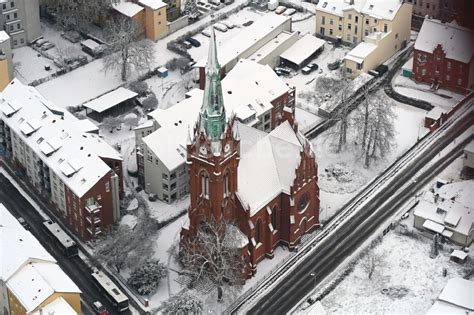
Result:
x=358 y=218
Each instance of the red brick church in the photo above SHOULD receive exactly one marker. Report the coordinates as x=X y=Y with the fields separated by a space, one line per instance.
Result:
x=270 y=191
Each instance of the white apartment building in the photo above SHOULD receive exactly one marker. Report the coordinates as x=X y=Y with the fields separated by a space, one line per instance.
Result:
x=20 y=19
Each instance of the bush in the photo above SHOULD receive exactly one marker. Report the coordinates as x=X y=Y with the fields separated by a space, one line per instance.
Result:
x=139 y=87
x=182 y=304
x=145 y=278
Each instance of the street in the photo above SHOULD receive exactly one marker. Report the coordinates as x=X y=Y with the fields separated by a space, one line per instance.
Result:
x=74 y=267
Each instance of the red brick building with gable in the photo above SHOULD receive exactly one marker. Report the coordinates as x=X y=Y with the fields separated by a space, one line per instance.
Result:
x=443 y=56
x=270 y=192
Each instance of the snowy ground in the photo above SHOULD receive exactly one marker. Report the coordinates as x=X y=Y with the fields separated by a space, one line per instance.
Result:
x=29 y=65
x=335 y=194
x=441 y=98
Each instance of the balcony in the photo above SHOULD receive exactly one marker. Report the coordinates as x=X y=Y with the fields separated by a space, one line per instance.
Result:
x=93 y=208
x=94 y=220
x=96 y=232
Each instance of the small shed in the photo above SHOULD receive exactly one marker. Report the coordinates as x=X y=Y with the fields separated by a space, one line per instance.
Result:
x=162 y=72
x=302 y=52
x=92 y=47
x=407 y=68
x=458 y=256
x=114 y=103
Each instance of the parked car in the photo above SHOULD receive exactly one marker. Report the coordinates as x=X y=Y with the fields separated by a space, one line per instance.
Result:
x=187 y=44
x=23 y=223
x=72 y=36
x=194 y=42
x=40 y=42
x=220 y=27
x=99 y=309
x=334 y=65
x=280 y=9
x=289 y=12
x=228 y=24
x=309 y=68
x=248 y=23
x=282 y=71
x=47 y=46
x=206 y=33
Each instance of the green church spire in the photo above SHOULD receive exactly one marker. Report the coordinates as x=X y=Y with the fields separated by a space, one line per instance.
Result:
x=212 y=116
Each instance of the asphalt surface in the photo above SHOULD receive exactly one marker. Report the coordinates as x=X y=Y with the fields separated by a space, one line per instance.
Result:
x=74 y=267
x=296 y=284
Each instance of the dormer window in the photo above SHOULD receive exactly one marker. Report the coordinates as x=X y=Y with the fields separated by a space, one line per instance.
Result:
x=325 y=4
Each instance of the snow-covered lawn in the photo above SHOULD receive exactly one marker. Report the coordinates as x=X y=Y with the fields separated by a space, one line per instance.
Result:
x=412 y=279
x=441 y=98
x=30 y=65
x=334 y=194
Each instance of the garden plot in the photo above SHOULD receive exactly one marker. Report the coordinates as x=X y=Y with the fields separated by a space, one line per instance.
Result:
x=29 y=65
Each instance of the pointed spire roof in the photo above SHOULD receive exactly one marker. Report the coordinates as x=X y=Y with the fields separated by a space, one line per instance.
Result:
x=212 y=116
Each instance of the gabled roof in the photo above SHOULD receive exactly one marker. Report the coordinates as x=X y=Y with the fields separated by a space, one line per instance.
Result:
x=22 y=247
x=457 y=42
x=274 y=158
x=56 y=137
x=379 y=9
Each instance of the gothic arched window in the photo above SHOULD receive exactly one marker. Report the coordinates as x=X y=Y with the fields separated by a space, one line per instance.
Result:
x=258 y=232
x=226 y=185
x=274 y=217
x=205 y=185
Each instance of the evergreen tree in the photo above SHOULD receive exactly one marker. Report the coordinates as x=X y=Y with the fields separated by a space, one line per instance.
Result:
x=145 y=278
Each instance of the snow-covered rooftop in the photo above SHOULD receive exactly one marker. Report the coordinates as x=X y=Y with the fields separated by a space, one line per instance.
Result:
x=59 y=306
x=360 y=52
x=129 y=9
x=240 y=45
x=52 y=134
x=470 y=147
x=249 y=83
x=459 y=292
x=153 y=4
x=3 y=36
x=37 y=281
x=302 y=49
x=86 y=126
x=110 y=99
x=457 y=42
x=274 y=158
x=22 y=247
x=379 y=9
x=271 y=46
x=91 y=44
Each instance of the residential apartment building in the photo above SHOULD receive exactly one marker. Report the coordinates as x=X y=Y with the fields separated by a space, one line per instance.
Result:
x=350 y=21
x=75 y=172
x=31 y=281
x=6 y=64
x=444 y=10
x=149 y=15
x=444 y=56
x=20 y=19
x=253 y=92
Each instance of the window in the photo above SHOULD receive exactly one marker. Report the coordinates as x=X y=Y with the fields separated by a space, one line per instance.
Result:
x=348 y=37
x=448 y=77
x=423 y=72
x=165 y=186
x=107 y=187
x=205 y=185
x=323 y=20
x=349 y=26
x=89 y=202
x=350 y=16
x=360 y=65
x=459 y=81
x=149 y=157
x=331 y=21
x=355 y=29
x=4 y=6
x=448 y=65
x=15 y=42
x=274 y=217
x=15 y=15
x=258 y=231
x=8 y=17
x=340 y=27
x=173 y=186
x=366 y=32
x=396 y=36
x=375 y=21
x=164 y=176
x=18 y=26
x=385 y=28
x=330 y=31
x=303 y=202
x=366 y=21
x=226 y=185
x=99 y=197
x=22 y=41
x=12 y=4
x=321 y=31
x=348 y=70
x=325 y=4
x=11 y=28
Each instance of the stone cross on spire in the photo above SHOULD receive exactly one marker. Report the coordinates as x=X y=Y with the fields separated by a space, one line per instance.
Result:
x=212 y=115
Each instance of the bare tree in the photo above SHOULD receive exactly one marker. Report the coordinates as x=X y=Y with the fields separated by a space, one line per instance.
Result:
x=111 y=123
x=77 y=14
x=214 y=255
x=182 y=304
x=371 y=262
x=115 y=247
x=131 y=121
x=374 y=123
x=191 y=9
x=125 y=52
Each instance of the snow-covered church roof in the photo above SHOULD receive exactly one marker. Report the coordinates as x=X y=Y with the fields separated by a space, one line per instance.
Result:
x=268 y=168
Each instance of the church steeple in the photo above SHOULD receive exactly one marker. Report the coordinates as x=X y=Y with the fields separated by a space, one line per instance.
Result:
x=212 y=116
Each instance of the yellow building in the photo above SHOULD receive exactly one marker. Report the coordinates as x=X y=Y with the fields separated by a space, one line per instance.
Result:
x=31 y=282
x=4 y=76
x=149 y=15
x=6 y=66
x=379 y=28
